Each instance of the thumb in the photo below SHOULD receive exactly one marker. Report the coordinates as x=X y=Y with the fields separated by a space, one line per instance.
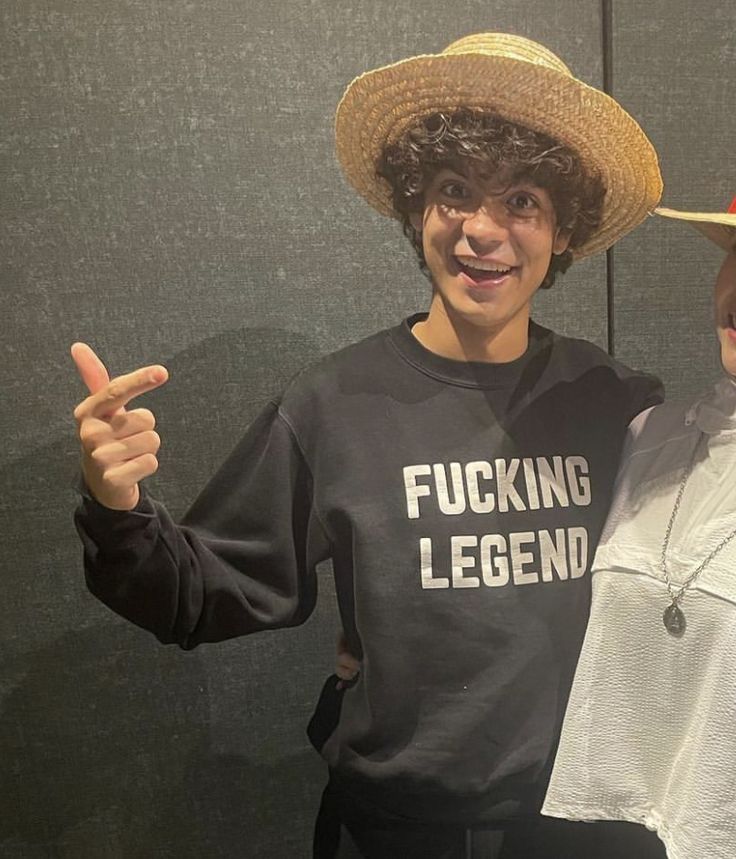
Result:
x=92 y=371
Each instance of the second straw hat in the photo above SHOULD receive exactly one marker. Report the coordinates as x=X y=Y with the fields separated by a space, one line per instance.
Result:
x=517 y=79
x=719 y=227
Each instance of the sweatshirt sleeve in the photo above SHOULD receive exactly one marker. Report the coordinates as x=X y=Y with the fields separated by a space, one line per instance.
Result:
x=242 y=560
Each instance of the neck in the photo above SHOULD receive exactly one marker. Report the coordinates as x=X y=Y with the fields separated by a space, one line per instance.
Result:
x=730 y=376
x=460 y=340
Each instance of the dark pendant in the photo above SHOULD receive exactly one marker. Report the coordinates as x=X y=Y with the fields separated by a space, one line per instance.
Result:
x=674 y=620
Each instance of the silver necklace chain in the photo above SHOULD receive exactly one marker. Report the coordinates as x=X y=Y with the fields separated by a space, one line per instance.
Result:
x=676 y=596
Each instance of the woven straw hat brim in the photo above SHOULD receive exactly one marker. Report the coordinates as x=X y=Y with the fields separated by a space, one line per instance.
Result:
x=380 y=105
x=719 y=227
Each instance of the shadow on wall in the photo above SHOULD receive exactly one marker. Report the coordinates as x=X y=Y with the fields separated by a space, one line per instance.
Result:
x=215 y=390
x=112 y=745
x=106 y=754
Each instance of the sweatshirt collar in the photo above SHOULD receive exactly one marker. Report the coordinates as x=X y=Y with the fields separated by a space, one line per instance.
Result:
x=468 y=374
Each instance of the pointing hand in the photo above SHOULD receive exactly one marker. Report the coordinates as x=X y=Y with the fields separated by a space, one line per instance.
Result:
x=118 y=446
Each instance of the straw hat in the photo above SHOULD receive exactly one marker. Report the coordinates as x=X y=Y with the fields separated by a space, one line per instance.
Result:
x=521 y=81
x=719 y=227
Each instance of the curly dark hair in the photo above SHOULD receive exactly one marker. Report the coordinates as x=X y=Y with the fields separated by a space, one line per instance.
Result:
x=494 y=146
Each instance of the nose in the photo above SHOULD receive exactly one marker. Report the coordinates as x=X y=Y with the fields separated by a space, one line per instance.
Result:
x=485 y=226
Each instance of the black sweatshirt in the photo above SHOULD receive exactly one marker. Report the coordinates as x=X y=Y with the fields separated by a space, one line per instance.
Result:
x=460 y=503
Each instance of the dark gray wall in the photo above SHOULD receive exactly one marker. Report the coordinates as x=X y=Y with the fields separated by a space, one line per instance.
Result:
x=170 y=195
x=674 y=67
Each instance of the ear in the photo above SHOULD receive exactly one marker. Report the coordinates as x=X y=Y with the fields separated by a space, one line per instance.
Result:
x=561 y=241
x=416 y=219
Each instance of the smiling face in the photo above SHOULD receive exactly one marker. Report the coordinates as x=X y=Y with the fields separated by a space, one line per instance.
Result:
x=725 y=311
x=488 y=246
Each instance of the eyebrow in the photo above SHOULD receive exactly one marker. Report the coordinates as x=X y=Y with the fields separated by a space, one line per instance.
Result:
x=445 y=169
x=521 y=182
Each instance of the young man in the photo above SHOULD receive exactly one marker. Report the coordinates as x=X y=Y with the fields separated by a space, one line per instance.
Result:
x=457 y=468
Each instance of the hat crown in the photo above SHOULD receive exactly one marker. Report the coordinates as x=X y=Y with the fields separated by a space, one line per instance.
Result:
x=509 y=46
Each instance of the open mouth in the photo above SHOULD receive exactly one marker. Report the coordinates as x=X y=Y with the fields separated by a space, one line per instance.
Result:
x=484 y=272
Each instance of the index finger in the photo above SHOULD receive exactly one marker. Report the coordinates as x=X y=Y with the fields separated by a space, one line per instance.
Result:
x=121 y=390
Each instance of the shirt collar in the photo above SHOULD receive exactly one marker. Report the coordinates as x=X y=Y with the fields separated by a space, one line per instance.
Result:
x=715 y=412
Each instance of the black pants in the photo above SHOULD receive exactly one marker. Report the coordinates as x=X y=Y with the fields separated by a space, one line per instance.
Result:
x=540 y=838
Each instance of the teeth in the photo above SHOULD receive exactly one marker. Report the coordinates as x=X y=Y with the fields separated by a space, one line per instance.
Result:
x=480 y=264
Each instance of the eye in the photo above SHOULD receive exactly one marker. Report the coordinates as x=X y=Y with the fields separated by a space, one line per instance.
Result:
x=454 y=190
x=522 y=201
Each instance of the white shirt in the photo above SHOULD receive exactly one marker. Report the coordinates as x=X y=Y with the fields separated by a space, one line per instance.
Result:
x=650 y=730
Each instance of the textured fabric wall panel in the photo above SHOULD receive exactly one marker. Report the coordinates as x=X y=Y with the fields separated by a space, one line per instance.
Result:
x=675 y=68
x=170 y=194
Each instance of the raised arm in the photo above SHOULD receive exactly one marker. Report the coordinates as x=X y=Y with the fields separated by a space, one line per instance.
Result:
x=243 y=558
